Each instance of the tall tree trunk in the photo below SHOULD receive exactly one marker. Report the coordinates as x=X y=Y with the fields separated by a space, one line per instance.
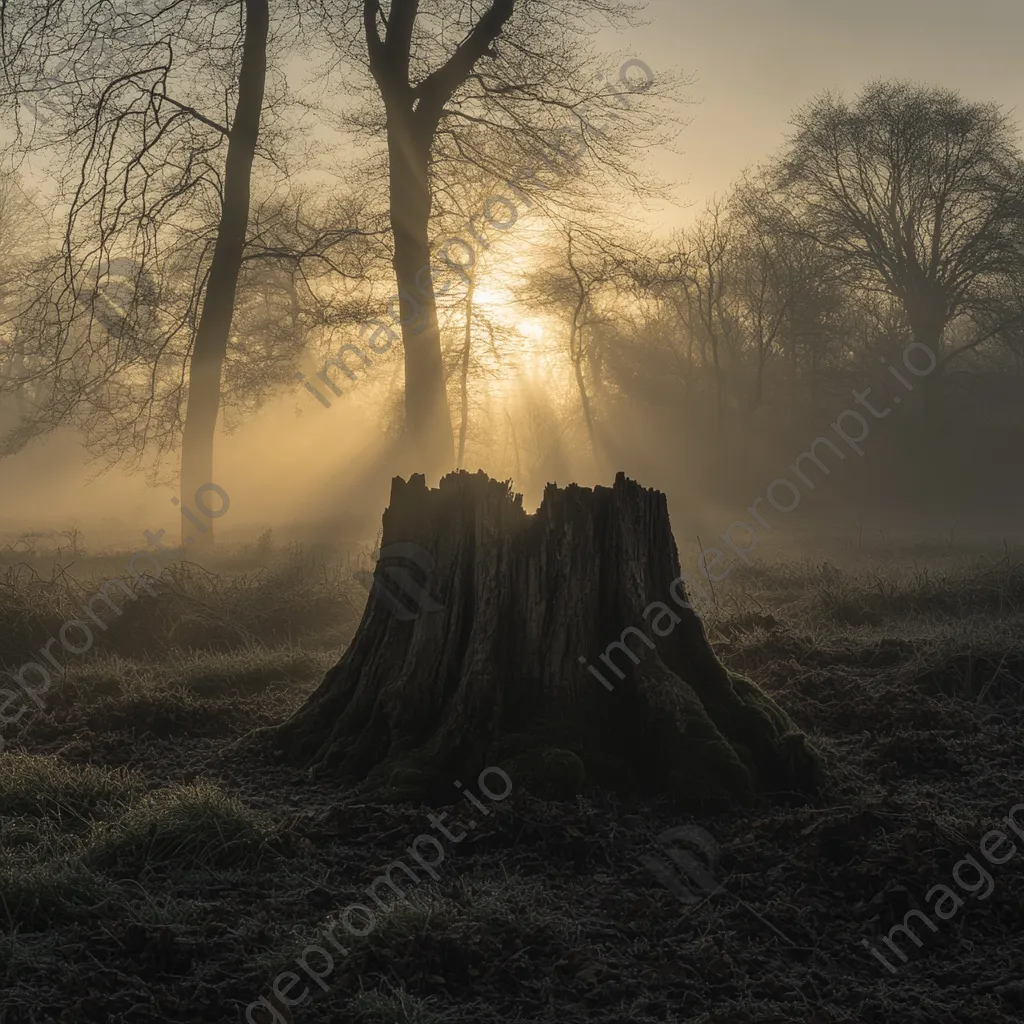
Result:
x=578 y=352
x=927 y=325
x=428 y=425
x=719 y=394
x=211 y=339
x=414 y=111
x=758 y=396
x=812 y=388
x=467 y=345
x=17 y=370
x=932 y=412
x=794 y=381
x=588 y=412
x=294 y=313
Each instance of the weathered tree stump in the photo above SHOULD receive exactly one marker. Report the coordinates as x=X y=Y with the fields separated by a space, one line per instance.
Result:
x=559 y=646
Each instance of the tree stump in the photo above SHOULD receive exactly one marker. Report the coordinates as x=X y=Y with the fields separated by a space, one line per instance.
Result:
x=559 y=646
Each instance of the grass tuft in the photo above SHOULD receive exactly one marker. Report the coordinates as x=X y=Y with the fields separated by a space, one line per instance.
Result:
x=396 y=1007
x=46 y=787
x=185 y=827
x=38 y=897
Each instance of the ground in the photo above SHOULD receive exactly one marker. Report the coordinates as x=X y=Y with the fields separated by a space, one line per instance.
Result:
x=148 y=873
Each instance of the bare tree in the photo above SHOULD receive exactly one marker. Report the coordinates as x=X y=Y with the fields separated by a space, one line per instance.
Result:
x=413 y=114
x=456 y=211
x=917 y=192
x=787 y=290
x=158 y=117
x=762 y=282
x=705 y=269
x=22 y=226
x=211 y=338
x=693 y=276
x=579 y=268
x=139 y=153
x=520 y=81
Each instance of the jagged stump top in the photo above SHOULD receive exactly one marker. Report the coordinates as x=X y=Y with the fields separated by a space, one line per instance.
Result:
x=559 y=646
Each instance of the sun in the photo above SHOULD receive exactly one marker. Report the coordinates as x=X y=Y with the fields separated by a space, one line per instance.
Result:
x=538 y=350
x=533 y=338
x=531 y=328
x=490 y=296
x=536 y=334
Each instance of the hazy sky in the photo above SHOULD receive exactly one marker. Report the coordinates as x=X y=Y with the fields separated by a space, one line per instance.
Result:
x=756 y=61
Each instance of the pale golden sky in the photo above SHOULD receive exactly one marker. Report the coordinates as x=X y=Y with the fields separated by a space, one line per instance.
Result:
x=758 y=60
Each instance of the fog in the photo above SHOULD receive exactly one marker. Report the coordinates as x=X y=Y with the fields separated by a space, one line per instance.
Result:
x=696 y=363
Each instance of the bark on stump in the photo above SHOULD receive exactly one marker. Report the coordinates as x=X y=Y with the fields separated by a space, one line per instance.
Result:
x=490 y=671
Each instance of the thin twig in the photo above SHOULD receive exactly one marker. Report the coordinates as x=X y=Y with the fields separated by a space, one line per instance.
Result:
x=711 y=582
